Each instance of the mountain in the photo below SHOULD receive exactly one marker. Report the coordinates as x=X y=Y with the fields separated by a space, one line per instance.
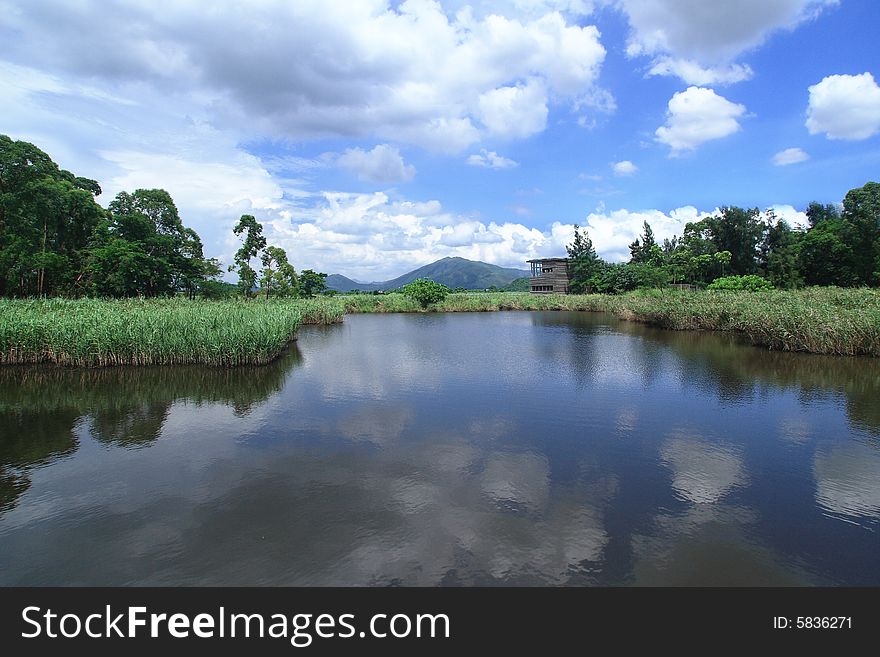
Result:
x=342 y=283
x=452 y=272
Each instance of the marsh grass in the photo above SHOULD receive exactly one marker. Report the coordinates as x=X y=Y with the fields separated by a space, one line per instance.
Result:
x=821 y=320
x=94 y=333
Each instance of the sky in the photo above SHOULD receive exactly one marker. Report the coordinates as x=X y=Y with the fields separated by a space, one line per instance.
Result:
x=373 y=137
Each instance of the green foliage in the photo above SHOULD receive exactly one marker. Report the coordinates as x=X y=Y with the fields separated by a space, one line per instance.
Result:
x=861 y=232
x=517 y=285
x=143 y=248
x=252 y=243
x=747 y=283
x=425 y=291
x=312 y=283
x=47 y=216
x=92 y=332
x=583 y=263
x=645 y=248
x=618 y=278
x=824 y=257
x=279 y=276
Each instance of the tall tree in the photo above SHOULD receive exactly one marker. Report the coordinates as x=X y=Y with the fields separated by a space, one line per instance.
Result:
x=583 y=262
x=279 y=276
x=252 y=243
x=642 y=250
x=861 y=232
x=824 y=257
x=143 y=248
x=47 y=216
x=311 y=283
x=817 y=213
x=779 y=254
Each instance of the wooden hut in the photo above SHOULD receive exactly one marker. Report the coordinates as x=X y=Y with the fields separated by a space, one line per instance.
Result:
x=549 y=276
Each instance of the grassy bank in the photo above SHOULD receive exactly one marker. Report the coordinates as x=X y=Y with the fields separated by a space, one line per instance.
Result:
x=816 y=320
x=92 y=332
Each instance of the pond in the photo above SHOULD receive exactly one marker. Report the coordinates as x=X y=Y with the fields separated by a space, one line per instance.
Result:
x=449 y=449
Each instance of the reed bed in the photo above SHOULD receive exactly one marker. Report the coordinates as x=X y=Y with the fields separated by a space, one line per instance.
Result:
x=821 y=320
x=842 y=322
x=95 y=333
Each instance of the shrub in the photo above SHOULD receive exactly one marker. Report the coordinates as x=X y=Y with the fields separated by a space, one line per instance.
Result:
x=749 y=283
x=425 y=291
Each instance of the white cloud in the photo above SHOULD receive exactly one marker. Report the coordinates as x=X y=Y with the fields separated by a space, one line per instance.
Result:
x=692 y=73
x=844 y=107
x=412 y=72
x=383 y=164
x=518 y=112
x=613 y=232
x=790 y=156
x=698 y=115
x=490 y=160
x=791 y=216
x=624 y=168
x=698 y=40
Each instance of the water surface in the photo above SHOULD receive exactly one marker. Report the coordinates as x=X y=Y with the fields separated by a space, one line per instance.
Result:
x=449 y=449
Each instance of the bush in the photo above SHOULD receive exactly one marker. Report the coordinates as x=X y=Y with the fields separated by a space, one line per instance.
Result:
x=749 y=283
x=425 y=291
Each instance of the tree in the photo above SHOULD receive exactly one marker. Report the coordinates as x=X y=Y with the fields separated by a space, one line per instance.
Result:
x=425 y=291
x=644 y=248
x=278 y=274
x=817 y=213
x=861 y=232
x=583 y=262
x=252 y=243
x=824 y=257
x=143 y=248
x=735 y=229
x=779 y=254
x=311 y=283
x=47 y=216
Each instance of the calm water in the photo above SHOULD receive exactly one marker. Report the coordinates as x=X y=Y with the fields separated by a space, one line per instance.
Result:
x=494 y=448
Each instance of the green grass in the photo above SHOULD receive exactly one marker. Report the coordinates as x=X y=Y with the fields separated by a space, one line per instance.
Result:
x=92 y=332
x=817 y=320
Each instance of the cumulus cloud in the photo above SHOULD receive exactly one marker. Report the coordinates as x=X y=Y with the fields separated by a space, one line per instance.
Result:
x=490 y=160
x=612 y=232
x=790 y=156
x=793 y=217
x=698 y=41
x=407 y=73
x=382 y=164
x=624 y=168
x=698 y=115
x=844 y=107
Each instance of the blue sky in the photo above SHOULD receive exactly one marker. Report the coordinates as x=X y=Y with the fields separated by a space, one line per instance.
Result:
x=374 y=137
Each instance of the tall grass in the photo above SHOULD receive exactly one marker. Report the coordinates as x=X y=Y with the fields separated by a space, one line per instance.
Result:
x=827 y=320
x=92 y=332
x=474 y=302
x=817 y=320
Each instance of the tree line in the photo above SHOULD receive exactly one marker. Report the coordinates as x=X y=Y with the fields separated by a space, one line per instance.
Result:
x=740 y=247
x=56 y=240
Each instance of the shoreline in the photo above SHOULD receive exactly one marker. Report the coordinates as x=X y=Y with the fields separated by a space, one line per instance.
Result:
x=107 y=333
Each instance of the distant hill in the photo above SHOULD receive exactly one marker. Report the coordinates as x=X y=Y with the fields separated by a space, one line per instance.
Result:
x=342 y=283
x=518 y=285
x=452 y=272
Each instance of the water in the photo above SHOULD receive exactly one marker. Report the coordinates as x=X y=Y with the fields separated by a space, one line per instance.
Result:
x=453 y=449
